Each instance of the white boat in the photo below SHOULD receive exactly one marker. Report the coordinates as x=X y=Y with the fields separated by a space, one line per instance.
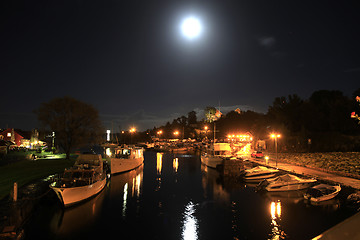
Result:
x=82 y=181
x=286 y=182
x=124 y=158
x=259 y=173
x=216 y=154
x=322 y=192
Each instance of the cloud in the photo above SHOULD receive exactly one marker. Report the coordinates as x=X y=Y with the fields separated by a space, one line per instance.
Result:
x=267 y=41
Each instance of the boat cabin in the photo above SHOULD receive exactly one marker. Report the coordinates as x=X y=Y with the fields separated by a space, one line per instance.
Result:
x=220 y=149
x=125 y=152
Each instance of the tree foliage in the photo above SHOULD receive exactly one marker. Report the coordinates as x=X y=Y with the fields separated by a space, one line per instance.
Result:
x=319 y=123
x=75 y=123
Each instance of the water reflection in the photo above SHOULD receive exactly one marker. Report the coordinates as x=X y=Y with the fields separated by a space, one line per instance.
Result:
x=159 y=162
x=66 y=222
x=212 y=187
x=125 y=199
x=127 y=185
x=275 y=212
x=287 y=197
x=189 y=229
x=176 y=164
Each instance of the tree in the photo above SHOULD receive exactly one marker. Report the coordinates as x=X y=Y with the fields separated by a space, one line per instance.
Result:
x=192 y=118
x=210 y=114
x=75 y=123
x=355 y=115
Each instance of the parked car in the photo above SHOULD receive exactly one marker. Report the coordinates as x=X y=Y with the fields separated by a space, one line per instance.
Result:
x=257 y=154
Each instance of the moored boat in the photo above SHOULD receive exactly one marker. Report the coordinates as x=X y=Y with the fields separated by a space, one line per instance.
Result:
x=286 y=182
x=322 y=192
x=124 y=158
x=82 y=181
x=216 y=154
x=259 y=173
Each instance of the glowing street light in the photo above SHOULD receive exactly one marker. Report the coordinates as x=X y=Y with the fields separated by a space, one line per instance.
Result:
x=176 y=133
x=275 y=136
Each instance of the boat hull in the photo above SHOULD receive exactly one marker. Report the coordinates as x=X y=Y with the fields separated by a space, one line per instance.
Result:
x=289 y=187
x=72 y=195
x=334 y=192
x=260 y=177
x=119 y=165
x=211 y=161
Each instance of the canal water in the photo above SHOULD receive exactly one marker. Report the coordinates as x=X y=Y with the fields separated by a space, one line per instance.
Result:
x=173 y=196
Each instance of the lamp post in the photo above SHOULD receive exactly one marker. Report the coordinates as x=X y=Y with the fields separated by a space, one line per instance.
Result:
x=275 y=137
x=132 y=130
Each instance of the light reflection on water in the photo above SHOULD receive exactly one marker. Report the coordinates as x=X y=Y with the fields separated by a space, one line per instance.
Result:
x=275 y=212
x=159 y=162
x=176 y=164
x=189 y=229
x=124 y=199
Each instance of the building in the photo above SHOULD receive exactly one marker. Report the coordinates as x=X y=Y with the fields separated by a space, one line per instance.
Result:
x=11 y=135
x=22 y=138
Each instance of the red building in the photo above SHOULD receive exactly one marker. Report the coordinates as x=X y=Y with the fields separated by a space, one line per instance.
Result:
x=11 y=135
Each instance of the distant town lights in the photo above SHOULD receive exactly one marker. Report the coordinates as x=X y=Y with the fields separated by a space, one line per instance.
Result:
x=240 y=137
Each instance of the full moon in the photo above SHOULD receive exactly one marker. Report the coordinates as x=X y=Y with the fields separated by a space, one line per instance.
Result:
x=191 y=28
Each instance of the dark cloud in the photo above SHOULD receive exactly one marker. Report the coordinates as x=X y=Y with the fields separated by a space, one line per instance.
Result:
x=267 y=41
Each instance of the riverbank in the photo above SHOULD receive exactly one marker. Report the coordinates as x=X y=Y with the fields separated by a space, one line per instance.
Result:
x=294 y=164
x=345 y=164
x=27 y=171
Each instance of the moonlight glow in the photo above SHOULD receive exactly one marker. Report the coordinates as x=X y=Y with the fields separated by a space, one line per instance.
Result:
x=191 y=28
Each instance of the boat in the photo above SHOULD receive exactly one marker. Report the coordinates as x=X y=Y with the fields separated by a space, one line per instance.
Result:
x=322 y=192
x=124 y=158
x=82 y=181
x=259 y=173
x=286 y=182
x=216 y=154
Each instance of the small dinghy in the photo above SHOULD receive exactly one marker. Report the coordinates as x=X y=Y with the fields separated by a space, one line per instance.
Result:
x=322 y=192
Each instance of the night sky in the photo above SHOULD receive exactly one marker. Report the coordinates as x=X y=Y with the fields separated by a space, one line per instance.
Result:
x=130 y=60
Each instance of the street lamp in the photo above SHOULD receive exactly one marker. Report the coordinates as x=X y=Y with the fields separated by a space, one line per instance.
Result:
x=159 y=133
x=275 y=136
x=176 y=133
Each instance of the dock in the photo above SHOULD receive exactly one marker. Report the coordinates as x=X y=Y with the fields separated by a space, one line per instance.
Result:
x=310 y=172
x=347 y=229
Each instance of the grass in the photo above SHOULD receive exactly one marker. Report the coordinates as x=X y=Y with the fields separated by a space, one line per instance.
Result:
x=343 y=162
x=26 y=171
